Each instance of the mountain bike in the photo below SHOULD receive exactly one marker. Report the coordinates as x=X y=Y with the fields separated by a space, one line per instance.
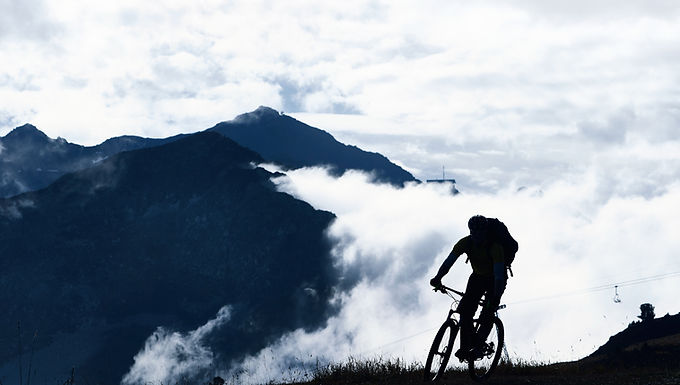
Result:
x=483 y=364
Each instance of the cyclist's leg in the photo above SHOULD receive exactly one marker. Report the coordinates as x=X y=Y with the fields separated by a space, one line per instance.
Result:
x=487 y=314
x=467 y=308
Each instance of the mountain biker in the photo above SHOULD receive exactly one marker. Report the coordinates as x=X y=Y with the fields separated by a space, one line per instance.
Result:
x=488 y=278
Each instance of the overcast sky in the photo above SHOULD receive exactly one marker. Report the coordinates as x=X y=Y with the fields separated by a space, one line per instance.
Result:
x=495 y=91
x=577 y=101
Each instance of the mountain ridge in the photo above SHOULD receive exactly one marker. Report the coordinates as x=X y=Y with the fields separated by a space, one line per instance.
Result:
x=30 y=160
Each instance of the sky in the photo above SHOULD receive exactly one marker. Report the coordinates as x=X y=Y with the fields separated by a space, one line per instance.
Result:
x=560 y=118
x=495 y=91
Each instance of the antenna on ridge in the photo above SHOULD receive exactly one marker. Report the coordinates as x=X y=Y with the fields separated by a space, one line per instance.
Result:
x=451 y=182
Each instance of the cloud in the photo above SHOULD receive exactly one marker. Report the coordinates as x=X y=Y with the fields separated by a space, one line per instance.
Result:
x=169 y=356
x=25 y=20
x=572 y=236
x=457 y=71
x=609 y=9
x=312 y=95
x=12 y=209
x=7 y=122
x=611 y=131
x=21 y=82
x=629 y=147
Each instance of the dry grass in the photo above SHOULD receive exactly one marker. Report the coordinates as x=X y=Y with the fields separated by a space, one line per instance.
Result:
x=397 y=372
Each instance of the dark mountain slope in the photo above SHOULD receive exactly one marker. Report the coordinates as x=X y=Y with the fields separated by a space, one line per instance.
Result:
x=30 y=160
x=160 y=236
x=293 y=144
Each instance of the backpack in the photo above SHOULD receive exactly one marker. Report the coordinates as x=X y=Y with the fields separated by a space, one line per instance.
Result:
x=499 y=233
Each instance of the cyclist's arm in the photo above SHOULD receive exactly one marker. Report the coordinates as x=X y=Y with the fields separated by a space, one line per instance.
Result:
x=456 y=252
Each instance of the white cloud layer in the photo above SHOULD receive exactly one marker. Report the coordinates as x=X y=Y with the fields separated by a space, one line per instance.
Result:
x=572 y=239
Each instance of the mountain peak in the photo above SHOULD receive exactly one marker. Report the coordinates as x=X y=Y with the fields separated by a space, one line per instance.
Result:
x=290 y=143
x=27 y=126
x=262 y=113
x=26 y=131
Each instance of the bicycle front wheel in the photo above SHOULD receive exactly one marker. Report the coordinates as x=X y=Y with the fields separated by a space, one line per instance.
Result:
x=440 y=351
x=482 y=367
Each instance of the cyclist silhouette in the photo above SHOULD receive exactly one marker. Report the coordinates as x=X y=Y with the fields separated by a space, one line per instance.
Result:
x=488 y=279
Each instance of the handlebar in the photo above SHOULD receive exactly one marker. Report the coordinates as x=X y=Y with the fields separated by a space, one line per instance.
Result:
x=445 y=290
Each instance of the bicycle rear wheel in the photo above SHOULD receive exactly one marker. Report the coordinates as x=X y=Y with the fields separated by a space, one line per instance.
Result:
x=440 y=351
x=482 y=367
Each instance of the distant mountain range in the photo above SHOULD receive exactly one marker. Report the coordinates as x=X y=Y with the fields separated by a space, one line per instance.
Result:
x=165 y=235
x=29 y=160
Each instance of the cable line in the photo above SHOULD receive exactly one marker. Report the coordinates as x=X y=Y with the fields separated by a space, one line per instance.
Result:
x=593 y=289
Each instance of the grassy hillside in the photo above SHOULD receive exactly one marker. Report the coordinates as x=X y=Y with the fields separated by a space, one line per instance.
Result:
x=645 y=352
x=380 y=372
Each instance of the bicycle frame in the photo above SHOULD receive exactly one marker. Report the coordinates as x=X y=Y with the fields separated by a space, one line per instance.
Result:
x=439 y=354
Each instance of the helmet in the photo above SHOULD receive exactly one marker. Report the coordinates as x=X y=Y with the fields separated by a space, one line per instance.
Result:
x=477 y=223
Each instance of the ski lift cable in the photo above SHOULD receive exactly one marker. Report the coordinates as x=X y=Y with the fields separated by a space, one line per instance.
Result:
x=648 y=279
x=593 y=289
